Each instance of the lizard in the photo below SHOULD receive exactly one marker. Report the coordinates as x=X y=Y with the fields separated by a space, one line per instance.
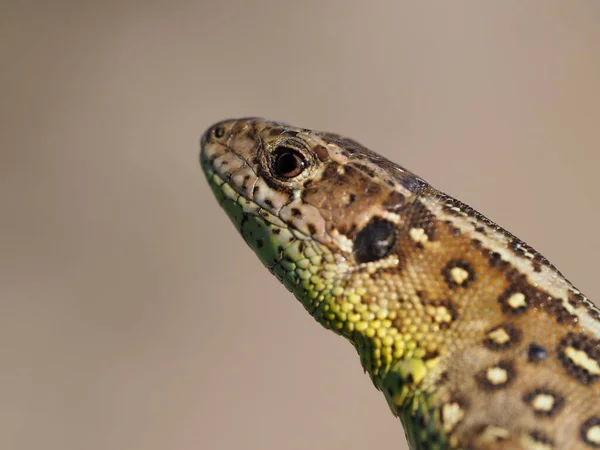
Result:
x=474 y=338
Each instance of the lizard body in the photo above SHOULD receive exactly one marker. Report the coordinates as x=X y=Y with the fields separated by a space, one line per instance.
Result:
x=476 y=340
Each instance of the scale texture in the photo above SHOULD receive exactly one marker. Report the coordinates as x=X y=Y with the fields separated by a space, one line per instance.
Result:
x=476 y=340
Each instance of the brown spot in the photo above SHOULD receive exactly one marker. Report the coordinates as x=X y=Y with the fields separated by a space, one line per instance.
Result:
x=495 y=260
x=394 y=202
x=312 y=229
x=331 y=172
x=577 y=300
x=443 y=378
x=321 y=152
x=541 y=439
x=251 y=133
x=296 y=212
x=481 y=230
x=477 y=244
x=366 y=169
x=555 y=308
x=420 y=217
x=274 y=131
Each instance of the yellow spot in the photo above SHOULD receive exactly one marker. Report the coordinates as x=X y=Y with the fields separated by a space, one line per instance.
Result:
x=494 y=434
x=361 y=326
x=452 y=414
x=517 y=300
x=347 y=307
x=442 y=314
x=581 y=359
x=418 y=235
x=368 y=316
x=530 y=443
x=499 y=336
x=382 y=313
x=388 y=341
x=497 y=375
x=353 y=317
x=543 y=402
x=303 y=263
x=304 y=274
x=353 y=298
x=414 y=367
x=593 y=434
x=459 y=275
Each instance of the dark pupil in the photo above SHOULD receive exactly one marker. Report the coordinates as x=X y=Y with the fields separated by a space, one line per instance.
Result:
x=219 y=132
x=288 y=163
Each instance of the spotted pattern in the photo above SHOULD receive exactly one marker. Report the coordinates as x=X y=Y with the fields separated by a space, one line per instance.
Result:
x=580 y=356
x=514 y=301
x=497 y=376
x=422 y=224
x=492 y=434
x=375 y=241
x=419 y=236
x=536 y=352
x=458 y=273
x=380 y=237
x=577 y=299
x=538 y=440
x=502 y=337
x=590 y=432
x=442 y=312
x=453 y=413
x=544 y=402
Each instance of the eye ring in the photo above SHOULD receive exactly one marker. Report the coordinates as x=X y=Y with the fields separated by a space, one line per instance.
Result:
x=288 y=162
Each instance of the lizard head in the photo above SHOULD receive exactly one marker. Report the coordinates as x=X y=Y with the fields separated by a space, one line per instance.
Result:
x=323 y=214
x=320 y=187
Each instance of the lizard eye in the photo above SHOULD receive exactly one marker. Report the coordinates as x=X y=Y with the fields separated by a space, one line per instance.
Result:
x=288 y=162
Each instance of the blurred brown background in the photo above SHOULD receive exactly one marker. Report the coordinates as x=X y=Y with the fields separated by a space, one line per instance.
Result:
x=133 y=316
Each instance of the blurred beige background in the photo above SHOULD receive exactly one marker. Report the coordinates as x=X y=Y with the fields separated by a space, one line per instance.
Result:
x=133 y=316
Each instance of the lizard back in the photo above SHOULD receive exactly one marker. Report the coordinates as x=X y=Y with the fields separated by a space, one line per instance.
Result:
x=476 y=340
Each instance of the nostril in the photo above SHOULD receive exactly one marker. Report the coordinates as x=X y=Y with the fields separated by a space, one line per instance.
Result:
x=218 y=131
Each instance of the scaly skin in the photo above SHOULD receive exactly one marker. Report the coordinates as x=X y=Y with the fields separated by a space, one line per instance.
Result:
x=475 y=339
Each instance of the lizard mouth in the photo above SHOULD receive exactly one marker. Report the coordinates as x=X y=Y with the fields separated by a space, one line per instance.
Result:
x=228 y=156
x=292 y=255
